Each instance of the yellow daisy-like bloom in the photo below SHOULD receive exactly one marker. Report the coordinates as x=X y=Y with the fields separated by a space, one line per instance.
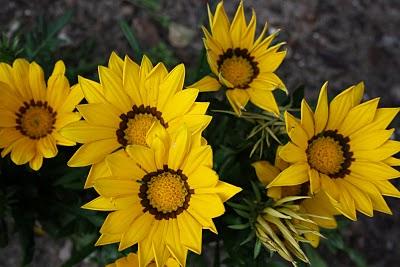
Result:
x=343 y=149
x=317 y=207
x=161 y=196
x=132 y=260
x=124 y=105
x=243 y=65
x=32 y=113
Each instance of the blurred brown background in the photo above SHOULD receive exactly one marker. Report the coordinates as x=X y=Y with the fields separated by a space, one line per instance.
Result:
x=343 y=41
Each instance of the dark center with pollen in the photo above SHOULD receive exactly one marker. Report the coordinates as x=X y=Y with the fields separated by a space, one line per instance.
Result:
x=136 y=123
x=238 y=67
x=165 y=193
x=329 y=153
x=35 y=119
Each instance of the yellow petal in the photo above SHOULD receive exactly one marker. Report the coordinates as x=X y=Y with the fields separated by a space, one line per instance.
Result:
x=8 y=136
x=238 y=99
x=99 y=169
x=370 y=170
x=115 y=63
x=36 y=82
x=346 y=203
x=207 y=84
x=315 y=183
x=270 y=61
x=130 y=81
x=115 y=187
x=143 y=156
x=362 y=201
x=83 y=132
x=378 y=202
x=264 y=100
x=99 y=114
x=118 y=221
x=358 y=117
x=137 y=231
x=329 y=187
x=220 y=27
x=207 y=205
x=194 y=123
x=108 y=239
x=179 y=104
x=190 y=232
x=121 y=165
x=292 y=153
x=74 y=97
x=238 y=25
x=293 y=175
x=248 y=36
x=265 y=171
x=179 y=149
x=152 y=83
x=23 y=150
x=64 y=119
x=172 y=84
x=113 y=89
x=20 y=72
x=57 y=90
x=173 y=242
x=339 y=108
x=370 y=140
x=7 y=119
x=296 y=132
x=388 y=149
x=36 y=162
x=202 y=177
x=92 y=91
x=386 y=188
x=47 y=146
x=322 y=110
x=93 y=152
x=307 y=119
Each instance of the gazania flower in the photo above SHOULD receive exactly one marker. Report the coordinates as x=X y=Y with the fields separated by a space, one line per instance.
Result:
x=244 y=66
x=282 y=227
x=132 y=260
x=317 y=206
x=124 y=105
x=32 y=113
x=343 y=149
x=161 y=196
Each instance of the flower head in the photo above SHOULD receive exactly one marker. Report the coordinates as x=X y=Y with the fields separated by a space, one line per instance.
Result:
x=125 y=104
x=344 y=150
x=243 y=65
x=316 y=207
x=161 y=196
x=32 y=113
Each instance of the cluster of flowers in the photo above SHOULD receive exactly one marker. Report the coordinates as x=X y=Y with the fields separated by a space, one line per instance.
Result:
x=141 y=133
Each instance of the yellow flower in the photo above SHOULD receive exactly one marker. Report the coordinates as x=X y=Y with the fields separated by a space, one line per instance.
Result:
x=281 y=227
x=32 y=113
x=124 y=105
x=161 y=196
x=243 y=65
x=343 y=149
x=132 y=260
x=317 y=207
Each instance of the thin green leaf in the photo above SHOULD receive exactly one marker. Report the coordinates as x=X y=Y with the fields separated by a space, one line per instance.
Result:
x=130 y=37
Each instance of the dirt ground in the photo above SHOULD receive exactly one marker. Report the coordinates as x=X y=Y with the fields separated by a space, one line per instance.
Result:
x=341 y=41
